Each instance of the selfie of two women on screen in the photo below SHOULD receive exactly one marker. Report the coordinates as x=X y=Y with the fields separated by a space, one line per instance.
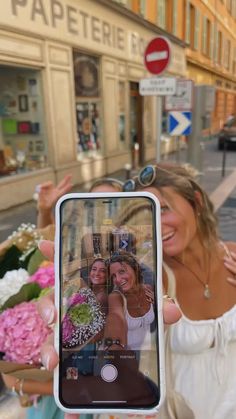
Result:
x=108 y=305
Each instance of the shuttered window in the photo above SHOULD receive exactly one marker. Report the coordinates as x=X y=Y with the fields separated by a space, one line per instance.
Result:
x=161 y=13
x=175 y=17
x=204 y=34
x=197 y=28
x=187 y=21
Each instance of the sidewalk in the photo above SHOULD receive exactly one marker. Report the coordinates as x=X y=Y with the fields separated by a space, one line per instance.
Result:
x=221 y=191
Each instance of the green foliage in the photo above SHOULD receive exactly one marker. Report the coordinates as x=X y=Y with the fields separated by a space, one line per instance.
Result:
x=80 y=314
x=15 y=259
x=34 y=262
x=10 y=260
x=27 y=292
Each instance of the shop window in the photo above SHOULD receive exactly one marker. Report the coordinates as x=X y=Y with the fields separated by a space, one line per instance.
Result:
x=87 y=92
x=122 y=120
x=88 y=117
x=23 y=141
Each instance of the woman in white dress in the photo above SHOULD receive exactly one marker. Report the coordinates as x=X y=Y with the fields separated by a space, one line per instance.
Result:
x=199 y=272
x=130 y=306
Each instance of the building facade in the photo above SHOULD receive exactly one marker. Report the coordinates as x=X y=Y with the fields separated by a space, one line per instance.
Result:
x=69 y=95
x=209 y=29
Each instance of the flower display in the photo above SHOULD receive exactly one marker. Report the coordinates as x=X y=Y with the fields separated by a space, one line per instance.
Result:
x=76 y=299
x=22 y=332
x=11 y=283
x=25 y=237
x=44 y=276
x=26 y=277
x=83 y=318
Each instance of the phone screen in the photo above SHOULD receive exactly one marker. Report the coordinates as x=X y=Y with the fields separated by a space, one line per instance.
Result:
x=108 y=335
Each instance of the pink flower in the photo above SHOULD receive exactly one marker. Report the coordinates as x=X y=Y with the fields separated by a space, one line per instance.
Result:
x=22 y=333
x=67 y=329
x=76 y=299
x=44 y=276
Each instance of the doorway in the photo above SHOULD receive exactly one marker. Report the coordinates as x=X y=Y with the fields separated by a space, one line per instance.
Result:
x=136 y=126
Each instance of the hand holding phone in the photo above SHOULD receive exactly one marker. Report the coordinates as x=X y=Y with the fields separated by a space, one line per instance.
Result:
x=109 y=333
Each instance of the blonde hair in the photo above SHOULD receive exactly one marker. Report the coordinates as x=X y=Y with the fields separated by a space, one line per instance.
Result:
x=182 y=179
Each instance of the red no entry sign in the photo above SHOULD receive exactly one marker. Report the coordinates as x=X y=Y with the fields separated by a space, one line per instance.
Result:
x=157 y=55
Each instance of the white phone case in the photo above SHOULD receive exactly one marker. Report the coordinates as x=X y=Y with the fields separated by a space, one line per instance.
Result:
x=159 y=300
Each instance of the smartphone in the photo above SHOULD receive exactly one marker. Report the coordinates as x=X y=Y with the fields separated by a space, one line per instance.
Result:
x=108 y=293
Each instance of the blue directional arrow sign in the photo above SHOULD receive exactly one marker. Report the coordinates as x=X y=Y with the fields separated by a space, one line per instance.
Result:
x=179 y=123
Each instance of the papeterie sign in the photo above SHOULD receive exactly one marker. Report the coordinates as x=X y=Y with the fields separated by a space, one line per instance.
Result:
x=85 y=23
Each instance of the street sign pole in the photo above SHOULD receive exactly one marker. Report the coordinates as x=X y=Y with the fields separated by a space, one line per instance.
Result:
x=177 y=149
x=194 y=154
x=204 y=102
x=159 y=127
x=157 y=59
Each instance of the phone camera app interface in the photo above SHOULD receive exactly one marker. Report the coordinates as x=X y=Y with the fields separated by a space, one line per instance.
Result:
x=108 y=318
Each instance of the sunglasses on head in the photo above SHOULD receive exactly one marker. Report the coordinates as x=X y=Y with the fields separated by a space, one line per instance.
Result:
x=123 y=256
x=116 y=183
x=145 y=178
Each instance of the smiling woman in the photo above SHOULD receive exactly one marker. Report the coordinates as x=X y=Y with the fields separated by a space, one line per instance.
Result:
x=130 y=303
x=199 y=274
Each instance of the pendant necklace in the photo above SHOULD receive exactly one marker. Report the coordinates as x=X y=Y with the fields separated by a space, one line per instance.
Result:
x=138 y=303
x=206 y=292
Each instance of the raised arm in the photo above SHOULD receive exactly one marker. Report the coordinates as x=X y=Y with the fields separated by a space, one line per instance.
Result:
x=116 y=325
x=47 y=198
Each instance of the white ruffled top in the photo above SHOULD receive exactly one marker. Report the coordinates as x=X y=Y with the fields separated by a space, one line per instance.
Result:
x=204 y=364
x=138 y=338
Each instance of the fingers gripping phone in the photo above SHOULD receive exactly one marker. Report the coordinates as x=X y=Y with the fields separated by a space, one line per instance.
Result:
x=109 y=333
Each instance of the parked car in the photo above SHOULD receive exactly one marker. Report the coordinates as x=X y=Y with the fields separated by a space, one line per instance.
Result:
x=228 y=134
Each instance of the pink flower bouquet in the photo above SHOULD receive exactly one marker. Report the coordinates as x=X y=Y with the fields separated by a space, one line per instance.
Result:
x=44 y=276
x=22 y=330
x=83 y=318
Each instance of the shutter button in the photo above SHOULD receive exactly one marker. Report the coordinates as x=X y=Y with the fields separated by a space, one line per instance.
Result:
x=109 y=373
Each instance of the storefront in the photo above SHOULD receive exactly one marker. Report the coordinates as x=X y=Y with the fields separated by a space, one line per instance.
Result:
x=69 y=101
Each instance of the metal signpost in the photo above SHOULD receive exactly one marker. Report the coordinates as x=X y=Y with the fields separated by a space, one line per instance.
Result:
x=180 y=111
x=204 y=102
x=157 y=58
